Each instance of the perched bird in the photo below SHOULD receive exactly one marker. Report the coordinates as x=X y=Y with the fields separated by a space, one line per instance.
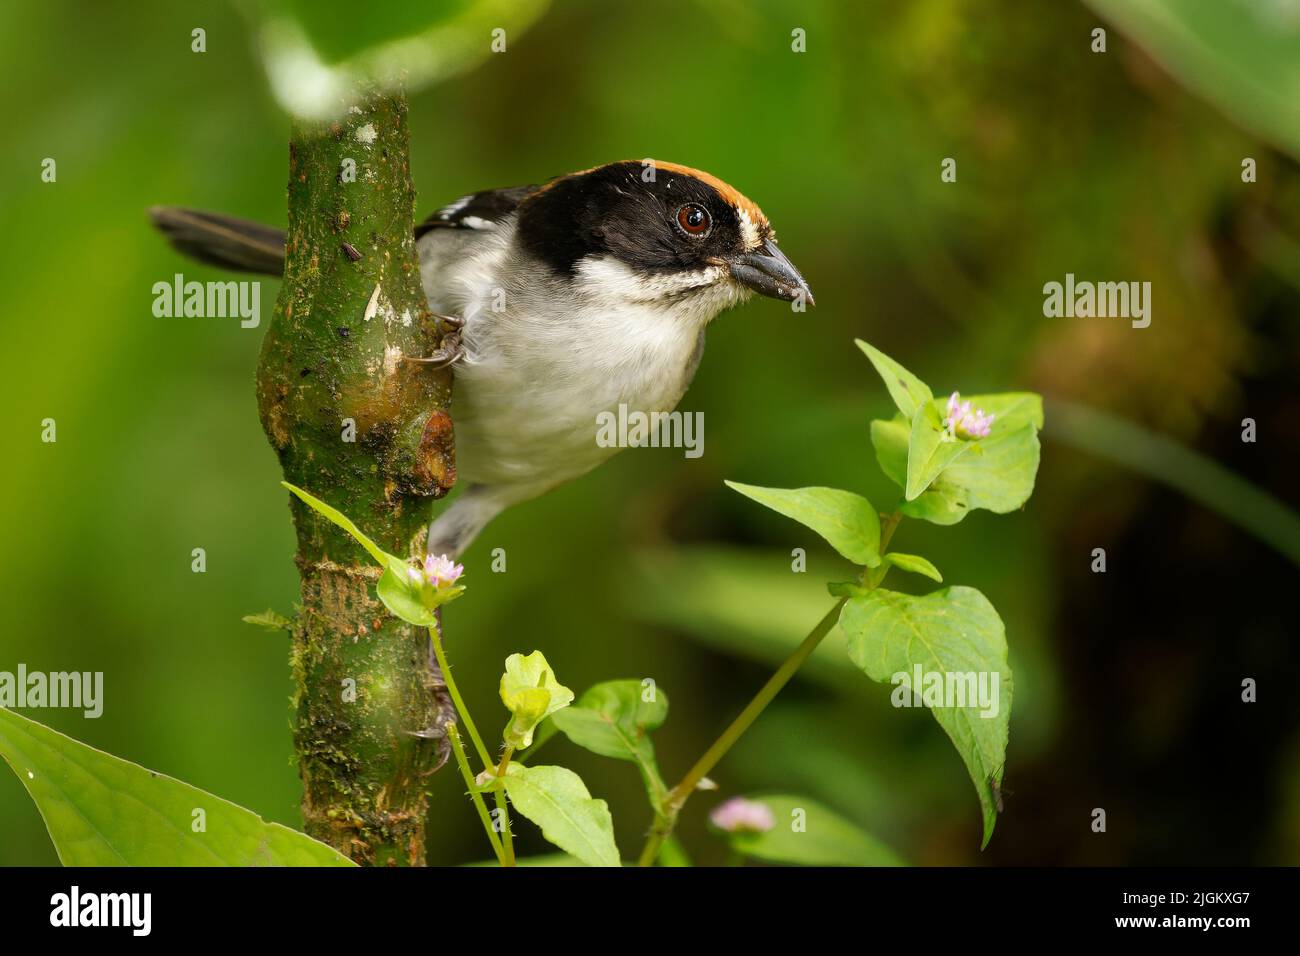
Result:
x=571 y=298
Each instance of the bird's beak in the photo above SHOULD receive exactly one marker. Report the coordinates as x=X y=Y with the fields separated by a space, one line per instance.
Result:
x=768 y=272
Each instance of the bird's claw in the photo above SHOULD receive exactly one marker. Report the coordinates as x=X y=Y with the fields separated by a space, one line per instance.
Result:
x=449 y=352
x=444 y=709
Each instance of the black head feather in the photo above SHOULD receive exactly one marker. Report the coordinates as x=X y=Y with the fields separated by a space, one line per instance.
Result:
x=629 y=210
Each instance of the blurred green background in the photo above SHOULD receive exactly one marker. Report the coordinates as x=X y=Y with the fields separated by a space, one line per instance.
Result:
x=1109 y=166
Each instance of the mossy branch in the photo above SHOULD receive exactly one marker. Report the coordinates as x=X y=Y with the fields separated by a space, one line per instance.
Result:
x=362 y=428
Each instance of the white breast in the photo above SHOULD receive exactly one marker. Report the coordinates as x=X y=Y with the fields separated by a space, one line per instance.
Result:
x=546 y=355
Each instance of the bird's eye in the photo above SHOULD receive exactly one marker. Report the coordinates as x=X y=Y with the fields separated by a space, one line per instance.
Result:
x=694 y=220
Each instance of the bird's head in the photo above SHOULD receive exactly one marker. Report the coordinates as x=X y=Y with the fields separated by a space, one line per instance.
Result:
x=657 y=233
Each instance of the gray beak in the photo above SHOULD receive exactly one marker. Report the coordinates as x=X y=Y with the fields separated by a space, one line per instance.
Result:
x=768 y=272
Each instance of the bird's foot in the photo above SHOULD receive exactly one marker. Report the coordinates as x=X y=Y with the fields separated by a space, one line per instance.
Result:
x=444 y=711
x=449 y=352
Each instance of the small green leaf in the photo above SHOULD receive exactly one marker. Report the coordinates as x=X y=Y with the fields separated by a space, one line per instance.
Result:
x=847 y=521
x=997 y=473
x=558 y=801
x=343 y=521
x=810 y=834
x=614 y=719
x=914 y=563
x=531 y=694
x=907 y=391
x=954 y=632
x=269 y=620
x=930 y=449
x=413 y=602
x=101 y=810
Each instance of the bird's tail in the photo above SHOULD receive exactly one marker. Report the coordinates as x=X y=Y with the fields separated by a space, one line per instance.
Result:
x=221 y=240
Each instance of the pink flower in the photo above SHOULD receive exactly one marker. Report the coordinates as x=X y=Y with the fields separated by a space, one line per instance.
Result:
x=439 y=571
x=964 y=423
x=739 y=815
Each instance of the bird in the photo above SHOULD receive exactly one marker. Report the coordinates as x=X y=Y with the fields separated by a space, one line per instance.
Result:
x=568 y=299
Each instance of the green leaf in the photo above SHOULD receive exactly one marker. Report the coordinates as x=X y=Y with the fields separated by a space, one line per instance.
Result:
x=954 y=631
x=930 y=449
x=557 y=800
x=269 y=620
x=847 y=521
x=914 y=563
x=614 y=720
x=101 y=810
x=531 y=694
x=996 y=473
x=413 y=602
x=907 y=391
x=810 y=834
x=343 y=521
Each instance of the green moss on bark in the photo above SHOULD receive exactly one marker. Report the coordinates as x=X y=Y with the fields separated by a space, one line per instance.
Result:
x=360 y=427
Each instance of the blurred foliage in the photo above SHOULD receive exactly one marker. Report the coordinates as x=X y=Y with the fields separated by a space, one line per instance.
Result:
x=1127 y=684
x=1242 y=55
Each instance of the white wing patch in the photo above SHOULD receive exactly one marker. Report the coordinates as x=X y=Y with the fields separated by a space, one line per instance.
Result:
x=450 y=210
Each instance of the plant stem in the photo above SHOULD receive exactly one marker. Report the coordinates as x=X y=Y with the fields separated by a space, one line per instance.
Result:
x=507 y=839
x=453 y=735
x=666 y=816
x=678 y=796
x=505 y=810
x=456 y=699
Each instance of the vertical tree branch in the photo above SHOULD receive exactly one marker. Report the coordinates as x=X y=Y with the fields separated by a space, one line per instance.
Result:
x=367 y=431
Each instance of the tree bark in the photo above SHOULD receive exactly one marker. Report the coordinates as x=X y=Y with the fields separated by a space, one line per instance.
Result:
x=357 y=425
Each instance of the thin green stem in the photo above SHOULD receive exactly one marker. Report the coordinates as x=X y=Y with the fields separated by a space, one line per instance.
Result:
x=507 y=839
x=666 y=816
x=453 y=735
x=677 y=797
x=505 y=846
x=504 y=808
x=456 y=699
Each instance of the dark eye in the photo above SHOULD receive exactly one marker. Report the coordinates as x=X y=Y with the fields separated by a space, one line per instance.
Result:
x=694 y=220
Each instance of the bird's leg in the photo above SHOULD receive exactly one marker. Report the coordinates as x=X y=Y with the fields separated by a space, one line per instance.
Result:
x=444 y=709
